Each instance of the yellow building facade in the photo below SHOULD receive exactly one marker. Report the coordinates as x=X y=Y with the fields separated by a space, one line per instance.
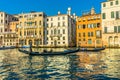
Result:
x=31 y=28
x=88 y=30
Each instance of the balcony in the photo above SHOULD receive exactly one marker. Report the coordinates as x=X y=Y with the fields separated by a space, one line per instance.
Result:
x=55 y=35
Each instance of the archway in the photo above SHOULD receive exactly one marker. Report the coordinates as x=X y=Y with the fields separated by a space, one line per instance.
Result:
x=110 y=41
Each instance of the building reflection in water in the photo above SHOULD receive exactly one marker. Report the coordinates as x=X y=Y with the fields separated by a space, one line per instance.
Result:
x=16 y=65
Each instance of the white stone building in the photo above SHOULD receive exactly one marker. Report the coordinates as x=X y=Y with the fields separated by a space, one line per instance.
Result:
x=5 y=19
x=111 y=22
x=61 y=30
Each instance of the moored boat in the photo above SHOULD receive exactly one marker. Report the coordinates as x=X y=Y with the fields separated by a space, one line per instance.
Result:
x=49 y=52
x=7 y=47
x=91 y=50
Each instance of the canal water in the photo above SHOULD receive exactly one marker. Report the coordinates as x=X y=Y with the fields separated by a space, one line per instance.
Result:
x=104 y=65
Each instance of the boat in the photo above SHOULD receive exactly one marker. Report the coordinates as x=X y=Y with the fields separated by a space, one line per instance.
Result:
x=91 y=50
x=7 y=47
x=49 y=52
x=25 y=47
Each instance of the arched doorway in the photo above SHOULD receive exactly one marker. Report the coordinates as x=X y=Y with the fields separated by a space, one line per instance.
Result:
x=30 y=42
x=110 y=41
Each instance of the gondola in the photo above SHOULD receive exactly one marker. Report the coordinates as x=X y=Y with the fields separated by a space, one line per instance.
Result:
x=91 y=50
x=5 y=48
x=65 y=52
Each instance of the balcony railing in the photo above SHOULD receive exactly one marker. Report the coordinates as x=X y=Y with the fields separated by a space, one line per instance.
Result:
x=56 y=35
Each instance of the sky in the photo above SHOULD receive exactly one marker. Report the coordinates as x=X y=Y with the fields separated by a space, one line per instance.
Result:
x=50 y=7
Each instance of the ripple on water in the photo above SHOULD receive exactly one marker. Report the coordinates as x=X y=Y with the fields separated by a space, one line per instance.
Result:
x=79 y=66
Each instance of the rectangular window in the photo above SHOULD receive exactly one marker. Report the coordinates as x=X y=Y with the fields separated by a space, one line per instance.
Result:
x=105 y=29
x=88 y=34
x=116 y=2
x=98 y=34
x=58 y=24
x=63 y=38
x=111 y=3
x=104 y=5
x=84 y=26
x=89 y=41
x=103 y=16
x=92 y=34
x=112 y=14
x=51 y=19
x=58 y=18
x=63 y=23
x=115 y=29
x=63 y=31
x=83 y=34
x=63 y=18
x=58 y=31
x=117 y=14
x=39 y=22
x=51 y=24
x=119 y=29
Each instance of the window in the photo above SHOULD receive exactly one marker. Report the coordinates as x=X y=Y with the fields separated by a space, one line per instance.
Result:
x=104 y=5
x=51 y=24
x=103 y=15
x=79 y=34
x=112 y=14
x=58 y=38
x=51 y=32
x=39 y=22
x=88 y=34
x=63 y=23
x=88 y=25
x=51 y=38
x=63 y=31
x=35 y=23
x=40 y=15
x=63 y=18
x=83 y=34
x=119 y=29
x=55 y=31
x=116 y=2
x=1 y=21
x=63 y=38
x=51 y=19
x=117 y=14
x=84 y=26
x=98 y=41
x=58 y=24
x=115 y=29
x=92 y=34
x=58 y=18
x=58 y=31
x=111 y=3
x=98 y=25
x=20 y=16
x=6 y=21
x=105 y=29
x=89 y=41
x=79 y=26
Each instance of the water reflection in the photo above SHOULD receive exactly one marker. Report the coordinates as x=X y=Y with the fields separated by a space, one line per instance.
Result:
x=101 y=65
